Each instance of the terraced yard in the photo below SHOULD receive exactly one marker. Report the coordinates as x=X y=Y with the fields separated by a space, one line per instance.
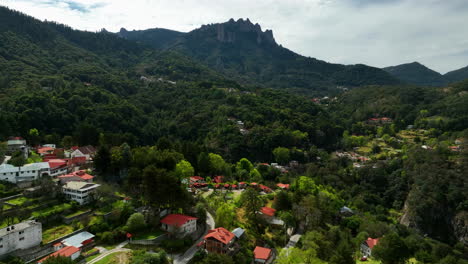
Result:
x=56 y=232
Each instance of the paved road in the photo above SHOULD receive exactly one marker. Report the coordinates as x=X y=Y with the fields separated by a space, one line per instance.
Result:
x=106 y=253
x=188 y=255
x=293 y=240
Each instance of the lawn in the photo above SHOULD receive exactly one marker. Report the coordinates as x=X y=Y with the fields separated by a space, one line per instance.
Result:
x=56 y=232
x=78 y=212
x=148 y=235
x=19 y=201
x=51 y=210
x=116 y=258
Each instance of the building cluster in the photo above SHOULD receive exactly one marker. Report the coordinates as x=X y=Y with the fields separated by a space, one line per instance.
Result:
x=379 y=121
x=72 y=247
x=62 y=165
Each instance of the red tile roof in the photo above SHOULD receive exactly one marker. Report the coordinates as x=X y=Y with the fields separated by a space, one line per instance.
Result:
x=268 y=211
x=81 y=173
x=265 y=188
x=196 y=178
x=57 y=163
x=177 y=219
x=221 y=234
x=44 y=150
x=218 y=179
x=226 y=185
x=64 y=252
x=262 y=253
x=371 y=242
x=283 y=186
x=253 y=183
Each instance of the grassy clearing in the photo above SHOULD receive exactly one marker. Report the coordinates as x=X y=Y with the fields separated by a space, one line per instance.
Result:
x=77 y=213
x=19 y=201
x=52 y=210
x=148 y=235
x=116 y=258
x=56 y=232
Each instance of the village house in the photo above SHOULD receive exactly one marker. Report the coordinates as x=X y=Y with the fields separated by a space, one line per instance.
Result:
x=58 y=167
x=368 y=245
x=269 y=215
x=20 y=236
x=86 y=151
x=83 y=240
x=17 y=144
x=263 y=255
x=196 y=179
x=26 y=173
x=265 y=189
x=81 y=192
x=220 y=241
x=238 y=232
x=179 y=225
x=78 y=176
x=68 y=252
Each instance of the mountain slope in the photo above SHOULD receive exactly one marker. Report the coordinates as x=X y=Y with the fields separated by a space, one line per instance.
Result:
x=98 y=88
x=242 y=50
x=416 y=73
x=457 y=75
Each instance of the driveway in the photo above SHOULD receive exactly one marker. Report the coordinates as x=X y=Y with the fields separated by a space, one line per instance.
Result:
x=106 y=253
x=188 y=255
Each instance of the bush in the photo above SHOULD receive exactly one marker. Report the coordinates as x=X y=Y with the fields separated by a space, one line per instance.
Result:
x=136 y=222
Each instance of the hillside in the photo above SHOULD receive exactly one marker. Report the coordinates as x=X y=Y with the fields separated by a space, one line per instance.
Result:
x=243 y=50
x=457 y=75
x=53 y=77
x=418 y=74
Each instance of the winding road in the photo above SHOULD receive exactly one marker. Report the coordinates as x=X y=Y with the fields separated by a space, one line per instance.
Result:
x=188 y=255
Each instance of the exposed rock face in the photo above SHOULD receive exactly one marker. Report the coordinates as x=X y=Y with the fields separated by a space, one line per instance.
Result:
x=460 y=227
x=228 y=32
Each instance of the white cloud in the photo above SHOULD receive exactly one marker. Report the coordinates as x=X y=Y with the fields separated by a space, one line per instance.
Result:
x=374 y=32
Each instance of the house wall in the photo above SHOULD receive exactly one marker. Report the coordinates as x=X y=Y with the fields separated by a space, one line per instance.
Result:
x=214 y=246
x=82 y=197
x=28 y=237
x=186 y=229
x=17 y=174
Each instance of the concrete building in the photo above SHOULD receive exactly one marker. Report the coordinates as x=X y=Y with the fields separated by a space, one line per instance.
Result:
x=16 y=144
x=80 y=192
x=24 y=235
x=28 y=172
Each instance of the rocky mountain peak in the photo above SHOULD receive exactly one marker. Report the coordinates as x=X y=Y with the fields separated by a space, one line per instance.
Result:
x=229 y=31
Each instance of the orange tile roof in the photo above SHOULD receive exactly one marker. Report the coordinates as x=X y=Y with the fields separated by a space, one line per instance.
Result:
x=221 y=234
x=262 y=253
x=268 y=211
x=64 y=252
x=371 y=242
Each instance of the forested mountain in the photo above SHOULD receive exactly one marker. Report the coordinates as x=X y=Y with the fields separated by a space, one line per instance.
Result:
x=457 y=75
x=53 y=78
x=418 y=74
x=252 y=56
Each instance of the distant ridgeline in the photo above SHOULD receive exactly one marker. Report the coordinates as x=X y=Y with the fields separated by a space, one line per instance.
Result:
x=251 y=56
x=418 y=74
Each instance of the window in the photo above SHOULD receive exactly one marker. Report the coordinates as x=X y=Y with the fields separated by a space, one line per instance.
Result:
x=21 y=232
x=1 y=246
x=21 y=239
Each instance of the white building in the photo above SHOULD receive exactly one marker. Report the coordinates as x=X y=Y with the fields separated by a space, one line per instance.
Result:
x=179 y=225
x=28 y=172
x=80 y=192
x=24 y=235
x=16 y=144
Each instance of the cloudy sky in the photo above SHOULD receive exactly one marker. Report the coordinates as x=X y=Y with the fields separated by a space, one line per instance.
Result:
x=375 y=32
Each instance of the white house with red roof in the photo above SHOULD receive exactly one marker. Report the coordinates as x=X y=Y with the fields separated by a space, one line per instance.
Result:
x=79 y=176
x=283 y=186
x=219 y=240
x=368 y=245
x=69 y=252
x=179 y=225
x=86 y=151
x=58 y=167
x=269 y=215
x=263 y=255
x=196 y=179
